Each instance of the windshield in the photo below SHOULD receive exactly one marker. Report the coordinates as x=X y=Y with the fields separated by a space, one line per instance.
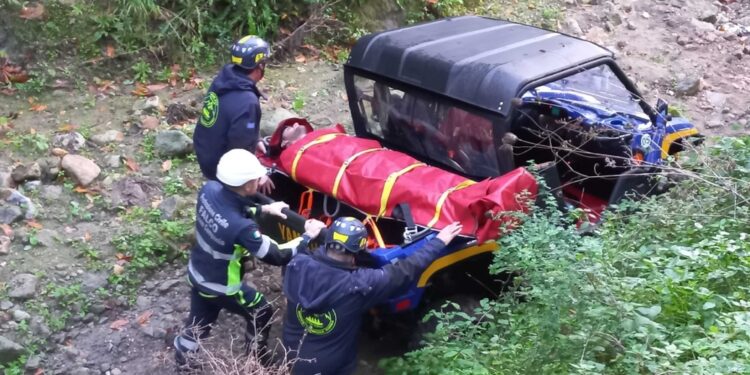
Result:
x=598 y=87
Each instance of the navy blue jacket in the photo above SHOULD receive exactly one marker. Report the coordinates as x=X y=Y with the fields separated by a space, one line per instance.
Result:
x=230 y=118
x=215 y=265
x=327 y=299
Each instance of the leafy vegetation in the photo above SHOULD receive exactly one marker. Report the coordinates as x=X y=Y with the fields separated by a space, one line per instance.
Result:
x=660 y=288
x=28 y=143
x=147 y=247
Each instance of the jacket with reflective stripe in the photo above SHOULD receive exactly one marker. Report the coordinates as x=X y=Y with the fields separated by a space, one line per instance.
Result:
x=215 y=262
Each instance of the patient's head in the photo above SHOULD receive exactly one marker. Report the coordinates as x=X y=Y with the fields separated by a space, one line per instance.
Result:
x=292 y=134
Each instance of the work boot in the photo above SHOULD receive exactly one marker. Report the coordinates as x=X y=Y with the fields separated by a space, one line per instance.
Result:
x=258 y=345
x=183 y=348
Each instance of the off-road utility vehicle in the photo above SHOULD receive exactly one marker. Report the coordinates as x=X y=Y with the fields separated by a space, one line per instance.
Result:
x=479 y=98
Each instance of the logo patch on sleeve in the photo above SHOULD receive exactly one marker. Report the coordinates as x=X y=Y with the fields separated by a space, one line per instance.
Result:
x=256 y=234
x=251 y=125
x=210 y=110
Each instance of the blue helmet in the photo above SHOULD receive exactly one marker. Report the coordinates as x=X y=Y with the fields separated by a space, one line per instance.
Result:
x=250 y=51
x=347 y=234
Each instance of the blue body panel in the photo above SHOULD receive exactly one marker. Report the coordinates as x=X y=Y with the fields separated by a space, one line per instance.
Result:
x=412 y=294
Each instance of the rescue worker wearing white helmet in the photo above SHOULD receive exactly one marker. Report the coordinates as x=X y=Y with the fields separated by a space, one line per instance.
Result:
x=215 y=268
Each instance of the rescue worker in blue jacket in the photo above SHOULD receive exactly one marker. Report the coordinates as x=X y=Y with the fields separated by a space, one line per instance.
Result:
x=327 y=295
x=215 y=268
x=231 y=110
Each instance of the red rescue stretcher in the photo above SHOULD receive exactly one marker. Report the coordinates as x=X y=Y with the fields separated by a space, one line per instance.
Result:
x=362 y=174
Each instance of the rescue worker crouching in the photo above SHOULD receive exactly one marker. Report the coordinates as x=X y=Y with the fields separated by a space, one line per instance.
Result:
x=231 y=109
x=327 y=295
x=224 y=236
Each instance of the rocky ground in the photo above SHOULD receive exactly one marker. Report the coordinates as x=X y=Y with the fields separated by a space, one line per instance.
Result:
x=76 y=162
x=693 y=53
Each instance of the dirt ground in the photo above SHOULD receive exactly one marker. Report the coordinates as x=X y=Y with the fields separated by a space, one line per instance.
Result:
x=694 y=53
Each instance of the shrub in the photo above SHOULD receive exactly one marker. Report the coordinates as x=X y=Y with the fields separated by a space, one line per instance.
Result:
x=661 y=287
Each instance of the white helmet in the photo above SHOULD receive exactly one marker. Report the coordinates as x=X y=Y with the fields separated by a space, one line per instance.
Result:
x=238 y=166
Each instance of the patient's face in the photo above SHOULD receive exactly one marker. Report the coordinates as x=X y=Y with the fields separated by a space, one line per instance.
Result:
x=292 y=134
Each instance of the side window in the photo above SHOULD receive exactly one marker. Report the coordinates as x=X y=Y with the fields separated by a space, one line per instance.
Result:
x=470 y=141
x=427 y=127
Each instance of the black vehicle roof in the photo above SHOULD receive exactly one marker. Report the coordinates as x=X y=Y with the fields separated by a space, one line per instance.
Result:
x=481 y=61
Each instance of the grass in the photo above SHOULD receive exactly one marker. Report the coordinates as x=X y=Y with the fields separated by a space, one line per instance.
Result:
x=29 y=143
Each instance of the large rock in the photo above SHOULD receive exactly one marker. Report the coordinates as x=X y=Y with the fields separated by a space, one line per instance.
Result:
x=83 y=170
x=26 y=172
x=72 y=141
x=132 y=191
x=151 y=104
x=272 y=118
x=23 y=286
x=9 y=350
x=50 y=167
x=109 y=136
x=113 y=161
x=10 y=214
x=170 y=143
x=90 y=281
x=170 y=206
x=689 y=86
x=572 y=27
x=14 y=197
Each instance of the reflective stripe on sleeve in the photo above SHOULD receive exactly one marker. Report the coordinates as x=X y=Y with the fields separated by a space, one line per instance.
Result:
x=264 y=247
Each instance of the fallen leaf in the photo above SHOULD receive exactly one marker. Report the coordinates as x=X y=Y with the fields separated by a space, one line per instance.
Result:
x=119 y=324
x=39 y=371
x=131 y=164
x=140 y=90
x=33 y=11
x=86 y=237
x=105 y=86
x=59 y=152
x=121 y=256
x=166 y=165
x=118 y=269
x=300 y=59
x=34 y=224
x=7 y=230
x=109 y=51
x=67 y=128
x=38 y=107
x=80 y=189
x=156 y=87
x=144 y=318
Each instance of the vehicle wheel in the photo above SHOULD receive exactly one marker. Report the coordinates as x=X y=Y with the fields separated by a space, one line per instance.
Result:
x=467 y=303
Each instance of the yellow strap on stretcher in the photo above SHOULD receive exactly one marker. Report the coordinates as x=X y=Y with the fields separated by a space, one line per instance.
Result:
x=348 y=161
x=444 y=196
x=375 y=231
x=322 y=139
x=389 y=182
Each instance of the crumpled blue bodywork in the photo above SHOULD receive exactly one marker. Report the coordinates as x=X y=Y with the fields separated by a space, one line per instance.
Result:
x=651 y=140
